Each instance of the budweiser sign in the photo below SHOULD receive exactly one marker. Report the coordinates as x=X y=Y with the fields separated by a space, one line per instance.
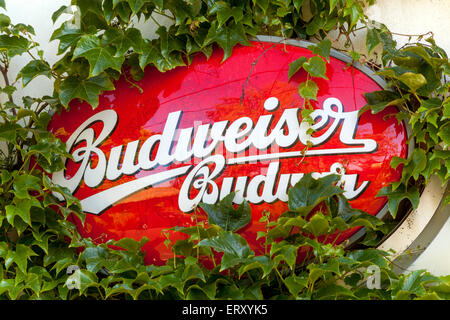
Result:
x=142 y=162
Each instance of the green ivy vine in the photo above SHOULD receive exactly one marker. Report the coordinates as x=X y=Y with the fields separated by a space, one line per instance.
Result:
x=38 y=243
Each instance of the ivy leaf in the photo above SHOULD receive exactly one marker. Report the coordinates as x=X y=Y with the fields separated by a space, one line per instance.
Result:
x=224 y=12
x=33 y=69
x=13 y=45
x=416 y=164
x=91 y=14
x=317 y=225
x=395 y=197
x=284 y=251
x=308 y=90
x=309 y=192
x=263 y=262
x=8 y=131
x=322 y=49
x=136 y=5
x=22 y=209
x=6 y=284
x=25 y=183
x=333 y=291
x=33 y=281
x=372 y=39
x=229 y=291
x=116 y=2
x=99 y=57
x=208 y=289
x=433 y=165
x=199 y=233
x=263 y=4
x=295 y=65
x=5 y=176
x=87 y=279
x=183 y=247
x=318 y=270
x=19 y=28
x=94 y=258
x=120 y=267
x=67 y=36
x=372 y=256
x=254 y=291
x=343 y=208
x=282 y=229
x=315 y=25
x=333 y=4
x=192 y=270
x=366 y=220
x=354 y=11
x=413 y=80
x=446 y=112
x=51 y=150
x=124 y=11
x=59 y=12
x=227 y=37
x=377 y=101
x=21 y=255
x=413 y=282
x=429 y=296
x=355 y=55
x=86 y=89
x=9 y=90
x=149 y=285
x=226 y=216
x=444 y=133
x=234 y=247
x=420 y=51
x=298 y=4
x=152 y=55
x=41 y=240
x=108 y=11
x=2 y=4
x=295 y=284
x=353 y=279
x=168 y=43
x=4 y=20
x=130 y=244
x=172 y=280
x=316 y=67
x=123 y=288
x=123 y=41
x=180 y=10
x=63 y=256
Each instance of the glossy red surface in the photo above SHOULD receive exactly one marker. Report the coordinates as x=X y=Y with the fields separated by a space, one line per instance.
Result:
x=209 y=91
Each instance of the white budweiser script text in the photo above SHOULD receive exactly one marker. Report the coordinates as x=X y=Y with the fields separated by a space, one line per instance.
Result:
x=213 y=147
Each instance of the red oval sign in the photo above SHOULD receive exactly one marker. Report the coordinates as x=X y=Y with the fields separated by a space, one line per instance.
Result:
x=143 y=161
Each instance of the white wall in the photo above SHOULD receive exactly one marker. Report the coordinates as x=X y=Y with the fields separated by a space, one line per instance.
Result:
x=419 y=17
x=436 y=258
x=36 y=13
x=414 y=17
x=400 y=16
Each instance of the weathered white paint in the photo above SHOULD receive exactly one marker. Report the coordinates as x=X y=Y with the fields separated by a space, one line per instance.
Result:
x=415 y=223
x=436 y=257
x=400 y=16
